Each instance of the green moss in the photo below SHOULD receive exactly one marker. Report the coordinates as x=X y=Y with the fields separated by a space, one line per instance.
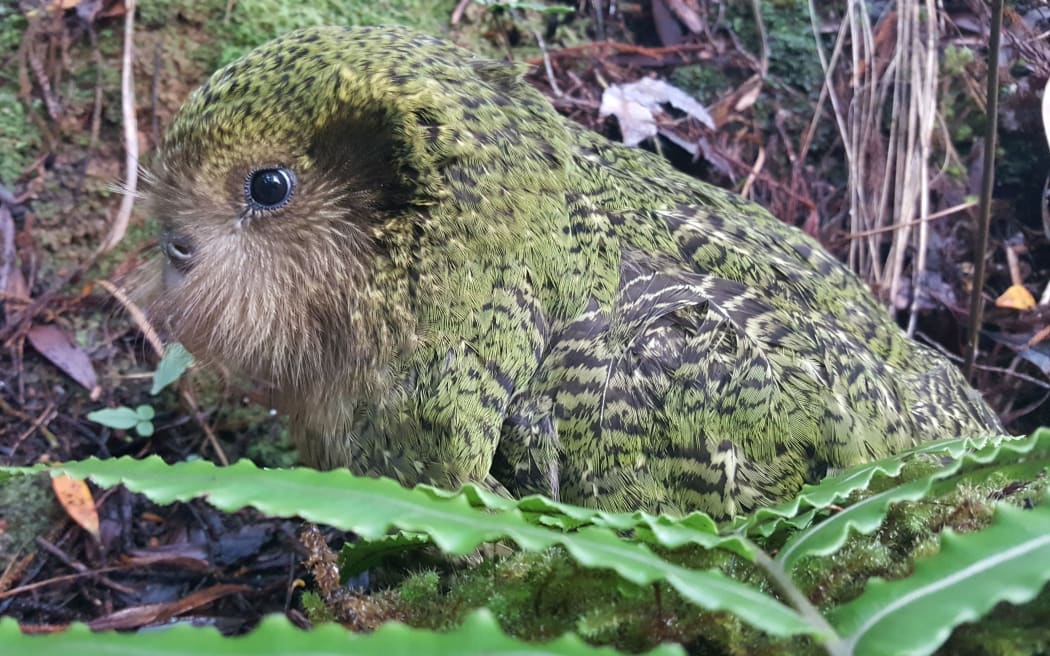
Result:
x=27 y=507
x=270 y=445
x=160 y=13
x=315 y=608
x=789 y=36
x=19 y=138
x=703 y=81
x=421 y=588
x=1008 y=630
x=12 y=26
x=254 y=22
x=538 y=596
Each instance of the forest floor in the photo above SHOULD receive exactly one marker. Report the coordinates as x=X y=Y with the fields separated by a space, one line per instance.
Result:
x=72 y=344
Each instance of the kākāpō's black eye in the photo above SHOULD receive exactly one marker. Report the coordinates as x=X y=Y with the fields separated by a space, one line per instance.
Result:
x=269 y=189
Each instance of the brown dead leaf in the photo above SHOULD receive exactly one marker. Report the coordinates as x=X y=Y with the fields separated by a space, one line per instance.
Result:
x=54 y=344
x=748 y=93
x=1046 y=111
x=667 y=27
x=1016 y=297
x=737 y=100
x=78 y=502
x=17 y=287
x=1039 y=336
x=179 y=554
x=137 y=616
x=688 y=12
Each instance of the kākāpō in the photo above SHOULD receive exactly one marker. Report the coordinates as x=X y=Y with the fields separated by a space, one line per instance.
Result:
x=445 y=281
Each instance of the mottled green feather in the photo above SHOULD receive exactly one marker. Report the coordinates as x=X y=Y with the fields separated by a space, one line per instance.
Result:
x=468 y=287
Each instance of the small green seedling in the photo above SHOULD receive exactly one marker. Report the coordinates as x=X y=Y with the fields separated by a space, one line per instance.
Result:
x=175 y=362
x=123 y=417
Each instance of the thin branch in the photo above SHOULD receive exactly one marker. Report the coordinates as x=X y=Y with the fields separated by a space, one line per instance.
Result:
x=940 y=214
x=131 y=134
x=763 y=38
x=62 y=579
x=626 y=48
x=927 y=105
x=198 y=414
x=555 y=89
x=137 y=315
x=987 y=181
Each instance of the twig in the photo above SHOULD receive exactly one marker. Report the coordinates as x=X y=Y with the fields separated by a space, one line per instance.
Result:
x=15 y=570
x=137 y=315
x=42 y=79
x=655 y=53
x=799 y=163
x=198 y=414
x=131 y=134
x=40 y=423
x=555 y=89
x=1013 y=374
x=842 y=120
x=752 y=169
x=940 y=214
x=230 y=4
x=17 y=324
x=756 y=170
x=599 y=18
x=927 y=109
x=987 y=181
x=904 y=127
x=457 y=13
x=80 y=567
x=1010 y=415
x=154 y=122
x=60 y=579
x=15 y=412
x=982 y=367
x=763 y=38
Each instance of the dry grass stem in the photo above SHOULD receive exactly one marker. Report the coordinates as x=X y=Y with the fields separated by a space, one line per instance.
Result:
x=889 y=166
x=131 y=133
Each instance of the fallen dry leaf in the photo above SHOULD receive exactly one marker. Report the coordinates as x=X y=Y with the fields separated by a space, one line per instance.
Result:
x=1046 y=111
x=78 y=502
x=54 y=344
x=635 y=103
x=1016 y=297
x=748 y=92
x=137 y=616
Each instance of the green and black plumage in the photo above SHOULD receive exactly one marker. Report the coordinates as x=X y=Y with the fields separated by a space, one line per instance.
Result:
x=462 y=285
